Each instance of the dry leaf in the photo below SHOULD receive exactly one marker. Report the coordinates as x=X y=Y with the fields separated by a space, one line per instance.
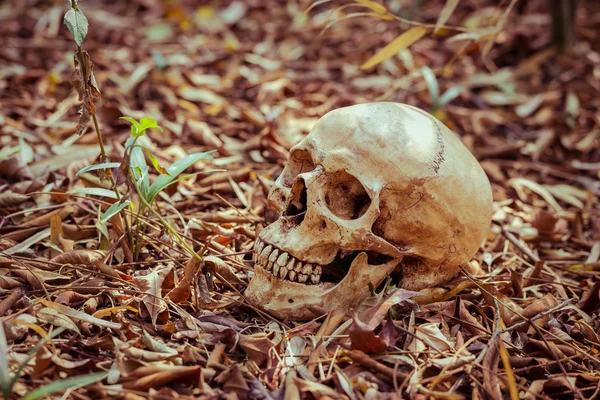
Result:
x=151 y=285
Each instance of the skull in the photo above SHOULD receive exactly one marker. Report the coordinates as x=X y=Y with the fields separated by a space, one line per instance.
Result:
x=374 y=190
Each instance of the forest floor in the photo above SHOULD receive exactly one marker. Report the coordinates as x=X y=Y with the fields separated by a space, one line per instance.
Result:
x=122 y=308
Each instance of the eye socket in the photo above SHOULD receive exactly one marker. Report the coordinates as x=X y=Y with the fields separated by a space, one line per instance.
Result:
x=300 y=162
x=346 y=197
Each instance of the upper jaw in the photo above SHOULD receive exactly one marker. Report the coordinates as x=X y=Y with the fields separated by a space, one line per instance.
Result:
x=283 y=265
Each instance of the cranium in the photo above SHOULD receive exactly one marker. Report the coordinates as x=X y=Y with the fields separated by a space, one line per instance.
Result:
x=374 y=190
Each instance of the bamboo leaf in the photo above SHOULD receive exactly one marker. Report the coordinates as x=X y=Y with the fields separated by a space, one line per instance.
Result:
x=445 y=14
x=401 y=42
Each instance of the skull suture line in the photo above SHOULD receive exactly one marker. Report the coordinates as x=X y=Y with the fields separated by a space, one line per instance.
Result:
x=374 y=190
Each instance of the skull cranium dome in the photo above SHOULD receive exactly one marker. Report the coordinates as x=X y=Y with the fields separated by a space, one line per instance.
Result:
x=374 y=189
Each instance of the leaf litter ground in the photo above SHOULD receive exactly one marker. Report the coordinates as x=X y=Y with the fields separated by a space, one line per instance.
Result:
x=249 y=79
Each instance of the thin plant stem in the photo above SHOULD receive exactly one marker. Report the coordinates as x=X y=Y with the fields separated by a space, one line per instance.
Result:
x=170 y=228
x=99 y=135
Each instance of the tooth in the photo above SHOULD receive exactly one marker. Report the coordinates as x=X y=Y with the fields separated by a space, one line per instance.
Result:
x=282 y=260
x=308 y=268
x=274 y=255
x=302 y=278
x=292 y=275
x=290 y=265
x=257 y=249
x=315 y=278
x=264 y=255
x=298 y=266
x=317 y=270
x=283 y=272
x=275 y=269
x=272 y=258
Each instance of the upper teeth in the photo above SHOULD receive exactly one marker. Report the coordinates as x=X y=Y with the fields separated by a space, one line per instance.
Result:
x=284 y=266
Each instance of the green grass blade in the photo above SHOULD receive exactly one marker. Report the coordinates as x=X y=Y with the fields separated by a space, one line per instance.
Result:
x=174 y=170
x=80 y=381
x=94 y=167
x=94 y=192
x=5 y=381
x=113 y=210
x=432 y=83
x=34 y=351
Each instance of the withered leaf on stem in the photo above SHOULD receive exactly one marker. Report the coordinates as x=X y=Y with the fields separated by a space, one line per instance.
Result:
x=84 y=82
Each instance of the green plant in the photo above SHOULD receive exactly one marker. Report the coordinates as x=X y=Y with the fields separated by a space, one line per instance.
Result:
x=138 y=171
x=6 y=380
x=87 y=89
x=134 y=167
x=137 y=175
x=439 y=100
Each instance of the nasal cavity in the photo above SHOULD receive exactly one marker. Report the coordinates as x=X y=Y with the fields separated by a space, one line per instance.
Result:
x=297 y=201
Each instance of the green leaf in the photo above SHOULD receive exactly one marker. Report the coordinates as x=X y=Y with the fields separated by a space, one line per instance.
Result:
x=76 y=381
x=103 y=229
x=450 y=95
x=77 y=23
x=135 y=126
x=8 y=151
x=94 y=192
x=33 y=352
x=132 y=121
x=137 y=162
x=147 y=123
x=401 y=42
x=173 y=170
x=432 y=83
x=107 y=165
x=5 y=381
x=113 y=210
x=155 y=163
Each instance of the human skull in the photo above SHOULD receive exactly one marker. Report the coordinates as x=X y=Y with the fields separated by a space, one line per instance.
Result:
x=374 y=190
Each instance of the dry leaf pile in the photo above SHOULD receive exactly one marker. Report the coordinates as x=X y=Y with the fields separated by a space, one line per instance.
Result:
x=249 y=79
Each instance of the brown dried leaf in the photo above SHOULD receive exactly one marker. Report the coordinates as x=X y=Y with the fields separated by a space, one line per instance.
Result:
x=364 y=339
x=151 y=285
x=590 y=301
x=157 y=376
x=256 y=347
x=508 y=308
x=379 y=306
x=71 y=298
x=80 y=257
x=9 y=198
x=429 y=336
x=222 y=270
x=537 y=307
